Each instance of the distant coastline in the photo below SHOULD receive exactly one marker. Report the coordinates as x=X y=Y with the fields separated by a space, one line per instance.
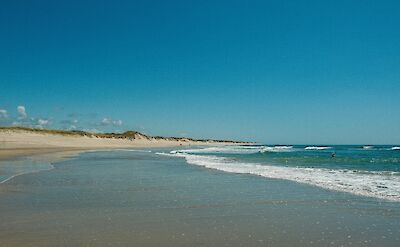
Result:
x=16 y=141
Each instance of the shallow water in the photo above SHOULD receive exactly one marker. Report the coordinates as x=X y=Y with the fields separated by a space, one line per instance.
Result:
x=12 y=168
x=123 y=198
x=369 y=171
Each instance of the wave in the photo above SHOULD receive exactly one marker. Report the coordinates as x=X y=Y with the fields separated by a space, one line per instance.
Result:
x=377 y=148
x=276 y=149
x=283 y=147
x=223 y=150
x=368 y=147
x=236 y=150
x=317 y=148
x=383 y=185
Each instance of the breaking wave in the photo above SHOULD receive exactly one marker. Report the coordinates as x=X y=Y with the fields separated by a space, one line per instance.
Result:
x=378 y=184
x=368 y=147
x=277 y=149
x=237 y=150
x=223 y=149
x=317 y=148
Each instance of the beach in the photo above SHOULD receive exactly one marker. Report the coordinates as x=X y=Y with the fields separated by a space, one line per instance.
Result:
x=16 y=142
x=137 y=197
x=62 y=190
x=200 y=123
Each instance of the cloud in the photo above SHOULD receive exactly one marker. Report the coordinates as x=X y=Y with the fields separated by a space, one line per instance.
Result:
x=40 y=123
x=73 y=121
x=69 y=124
x=31 y=122
x=43 y=122
x=108 y=121
x=3 y=114
x=117 y=122
x=22 y=112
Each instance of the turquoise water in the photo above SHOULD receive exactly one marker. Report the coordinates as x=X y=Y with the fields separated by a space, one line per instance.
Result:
x=131 y=198
x=363 y=170
x=367 y=158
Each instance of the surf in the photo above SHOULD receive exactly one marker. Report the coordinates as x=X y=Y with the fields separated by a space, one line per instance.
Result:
x=317 y=148
x=376 y=184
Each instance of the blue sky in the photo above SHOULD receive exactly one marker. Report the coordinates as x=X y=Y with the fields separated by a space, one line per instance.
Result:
x=270 y=71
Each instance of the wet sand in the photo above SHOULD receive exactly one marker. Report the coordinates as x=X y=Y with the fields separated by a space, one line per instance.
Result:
x=12 y=153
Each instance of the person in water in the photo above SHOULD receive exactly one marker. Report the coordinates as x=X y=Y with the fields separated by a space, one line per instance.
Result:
x=333 y=155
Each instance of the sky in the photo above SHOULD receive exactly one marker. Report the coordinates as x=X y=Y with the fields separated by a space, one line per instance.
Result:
x=279 y=72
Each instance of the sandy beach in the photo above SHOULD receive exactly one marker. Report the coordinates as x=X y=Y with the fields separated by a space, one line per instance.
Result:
x=23 y=142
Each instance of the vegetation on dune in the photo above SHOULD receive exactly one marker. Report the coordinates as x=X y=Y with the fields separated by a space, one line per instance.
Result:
x=131 y=135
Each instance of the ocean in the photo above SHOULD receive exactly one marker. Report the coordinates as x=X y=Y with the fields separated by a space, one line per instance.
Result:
x=204 y=196
x=372 y=171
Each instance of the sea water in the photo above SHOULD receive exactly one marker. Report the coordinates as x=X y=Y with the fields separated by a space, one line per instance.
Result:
x=362 y=170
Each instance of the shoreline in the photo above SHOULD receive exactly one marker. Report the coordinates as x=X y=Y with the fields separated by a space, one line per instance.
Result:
x=19 y=142
x=38 y=156
x=164 y=201
x=14 y=153
x=41 y=146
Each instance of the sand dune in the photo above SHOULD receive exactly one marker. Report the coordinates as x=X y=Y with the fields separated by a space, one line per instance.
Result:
x=20 y=141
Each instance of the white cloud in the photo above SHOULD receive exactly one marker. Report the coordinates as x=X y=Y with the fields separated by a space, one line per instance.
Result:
x=22 y=112
x=117 y=123
x=109 y=121
x=43 y=122
x=106 y=121
x=3 y=114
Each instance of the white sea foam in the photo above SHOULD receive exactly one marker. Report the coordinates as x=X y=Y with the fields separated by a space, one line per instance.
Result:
x=380 y=148
x=384 y=185
x=224 y=149
x=317 y=148
x=237 y=150
x=368 y=147
x=276 y=149
x=283 y=147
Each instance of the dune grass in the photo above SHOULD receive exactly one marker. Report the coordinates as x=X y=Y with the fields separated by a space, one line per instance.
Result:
x=125 y=135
